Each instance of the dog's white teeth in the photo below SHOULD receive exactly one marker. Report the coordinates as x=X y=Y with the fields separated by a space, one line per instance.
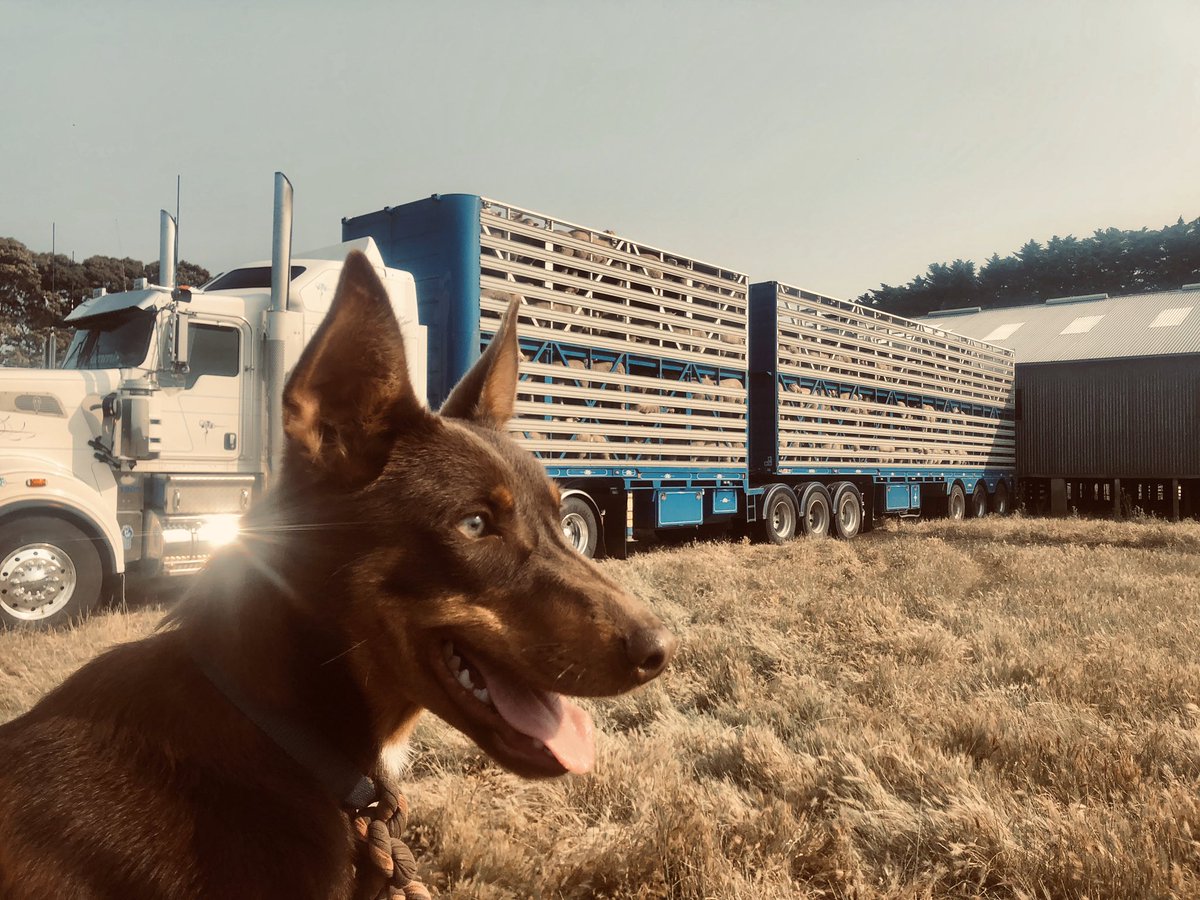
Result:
x=482 y=696
x=465 y=680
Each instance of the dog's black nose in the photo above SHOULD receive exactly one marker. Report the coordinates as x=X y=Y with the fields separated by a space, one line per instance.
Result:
x=650 y=649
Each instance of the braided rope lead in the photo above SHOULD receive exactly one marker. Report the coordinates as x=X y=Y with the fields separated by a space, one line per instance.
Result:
x=386 y=868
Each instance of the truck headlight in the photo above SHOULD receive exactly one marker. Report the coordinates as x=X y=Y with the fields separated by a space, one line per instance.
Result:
x=219 y=530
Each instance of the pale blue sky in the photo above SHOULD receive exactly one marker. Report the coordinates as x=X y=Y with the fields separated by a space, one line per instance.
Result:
x=832 y=145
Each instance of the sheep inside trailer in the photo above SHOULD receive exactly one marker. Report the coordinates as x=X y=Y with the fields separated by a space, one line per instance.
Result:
x=914 y=416
x=631 y=354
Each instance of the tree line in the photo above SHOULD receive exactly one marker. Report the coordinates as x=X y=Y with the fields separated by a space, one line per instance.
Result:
x=1111 y=261
x=38 y=289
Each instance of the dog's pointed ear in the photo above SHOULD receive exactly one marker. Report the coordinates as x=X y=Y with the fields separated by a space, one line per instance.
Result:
x=350 y=395
x=486 y=394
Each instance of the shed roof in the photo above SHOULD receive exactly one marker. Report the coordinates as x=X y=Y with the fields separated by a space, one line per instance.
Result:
x=1094 y=327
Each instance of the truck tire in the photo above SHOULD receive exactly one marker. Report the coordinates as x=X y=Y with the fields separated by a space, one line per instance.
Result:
x=979 y=501
x=847 y=510
x=816 y=511
x=50 y=573
x=579 y=525
x=1001 y=505
x=956 y=503
x=777 y=520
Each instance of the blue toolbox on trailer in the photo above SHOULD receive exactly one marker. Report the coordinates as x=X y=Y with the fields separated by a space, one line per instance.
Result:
x=679 y=508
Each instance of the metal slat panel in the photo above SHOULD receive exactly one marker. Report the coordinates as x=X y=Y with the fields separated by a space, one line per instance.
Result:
x=519 y=222
x=878 y=321
x=566 y=277
x=865 y=376
x=826 y=340
x=557 y=452
x=601 y=319
x=905 y=348
x=900 y=361
x=811 y=418
x=637 y=384
x=565 y=395
x=601 y=299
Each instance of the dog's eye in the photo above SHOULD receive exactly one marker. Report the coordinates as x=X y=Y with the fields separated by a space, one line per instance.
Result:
x=473 y=526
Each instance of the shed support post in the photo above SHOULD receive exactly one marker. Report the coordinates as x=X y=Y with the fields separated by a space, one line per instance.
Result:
x=1058 y=496
x=1174 y=499
x=1117 y=498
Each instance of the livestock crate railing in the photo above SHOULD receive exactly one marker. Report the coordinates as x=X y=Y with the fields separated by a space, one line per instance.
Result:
x=630 y=352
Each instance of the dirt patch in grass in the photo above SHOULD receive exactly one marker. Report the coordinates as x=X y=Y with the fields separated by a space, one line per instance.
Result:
x=996 y=708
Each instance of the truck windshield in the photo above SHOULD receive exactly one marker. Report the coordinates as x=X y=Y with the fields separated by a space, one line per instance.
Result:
x=247 y=277
x=115 y=341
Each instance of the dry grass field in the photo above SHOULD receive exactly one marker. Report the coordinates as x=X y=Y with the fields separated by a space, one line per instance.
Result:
x=1004 y=708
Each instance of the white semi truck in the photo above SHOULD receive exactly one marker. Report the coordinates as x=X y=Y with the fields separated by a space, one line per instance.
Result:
x=148 y=444
x=660 y=391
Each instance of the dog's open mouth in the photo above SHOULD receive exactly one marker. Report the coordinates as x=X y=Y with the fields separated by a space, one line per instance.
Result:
x=541 y=728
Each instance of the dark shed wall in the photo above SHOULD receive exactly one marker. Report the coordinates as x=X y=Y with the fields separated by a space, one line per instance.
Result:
x=1110 y=418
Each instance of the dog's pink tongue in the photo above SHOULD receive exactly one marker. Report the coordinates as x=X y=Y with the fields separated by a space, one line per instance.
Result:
x=565 y=729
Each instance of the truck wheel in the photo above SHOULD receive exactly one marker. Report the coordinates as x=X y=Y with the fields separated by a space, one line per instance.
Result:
x=777 y=521
x=956 y=503
x=816 y=511
x=847 y=510
x=579 y=525
x=1000 y=501
x=50 y=573
x=979 y=504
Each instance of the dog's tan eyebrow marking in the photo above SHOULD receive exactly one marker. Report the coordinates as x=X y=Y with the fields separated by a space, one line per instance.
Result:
x=502 y=498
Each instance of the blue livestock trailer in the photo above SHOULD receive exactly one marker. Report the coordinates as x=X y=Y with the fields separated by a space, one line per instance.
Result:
x=664 y=393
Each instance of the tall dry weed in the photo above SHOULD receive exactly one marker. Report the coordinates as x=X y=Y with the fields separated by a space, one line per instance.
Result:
x=1005 y=708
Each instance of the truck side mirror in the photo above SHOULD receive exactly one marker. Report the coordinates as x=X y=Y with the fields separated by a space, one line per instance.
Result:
x=179 y=343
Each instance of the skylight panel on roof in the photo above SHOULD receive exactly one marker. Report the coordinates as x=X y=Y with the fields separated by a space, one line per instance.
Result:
x=1082 y=325
x=1001 y=332
x=1169 y=318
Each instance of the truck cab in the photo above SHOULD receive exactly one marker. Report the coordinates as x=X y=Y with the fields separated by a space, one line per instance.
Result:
x=144 y=449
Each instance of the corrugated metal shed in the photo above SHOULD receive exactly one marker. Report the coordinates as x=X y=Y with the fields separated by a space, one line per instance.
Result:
x=1106 y=388
x=1133 y=418
x=1139 y=325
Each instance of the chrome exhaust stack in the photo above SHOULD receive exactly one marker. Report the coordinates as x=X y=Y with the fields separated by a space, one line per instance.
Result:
x=166 y=249
x=276 y=331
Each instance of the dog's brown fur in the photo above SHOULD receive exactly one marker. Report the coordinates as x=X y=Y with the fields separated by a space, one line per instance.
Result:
x=137 y=778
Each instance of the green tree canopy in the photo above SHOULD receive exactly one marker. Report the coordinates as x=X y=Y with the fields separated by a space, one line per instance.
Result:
x=38 y=289
x=185 y=273
x=1110 y=261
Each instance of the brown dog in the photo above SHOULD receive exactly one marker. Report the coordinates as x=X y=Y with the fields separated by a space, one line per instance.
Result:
x=405 y=561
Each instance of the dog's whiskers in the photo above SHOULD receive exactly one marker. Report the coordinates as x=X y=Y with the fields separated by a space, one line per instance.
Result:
x=349 y=649
x=561 y=675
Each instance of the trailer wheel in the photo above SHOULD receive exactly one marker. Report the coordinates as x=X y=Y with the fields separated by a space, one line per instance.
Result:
x=816 y=511
x=777 y=521
x=1000 y=500
x=956 y=502
x=979 y=501
x=50 y=573
x=847 y=510
x=579 y=525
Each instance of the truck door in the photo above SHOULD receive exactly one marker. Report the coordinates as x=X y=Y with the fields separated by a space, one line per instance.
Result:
x=203 y=414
